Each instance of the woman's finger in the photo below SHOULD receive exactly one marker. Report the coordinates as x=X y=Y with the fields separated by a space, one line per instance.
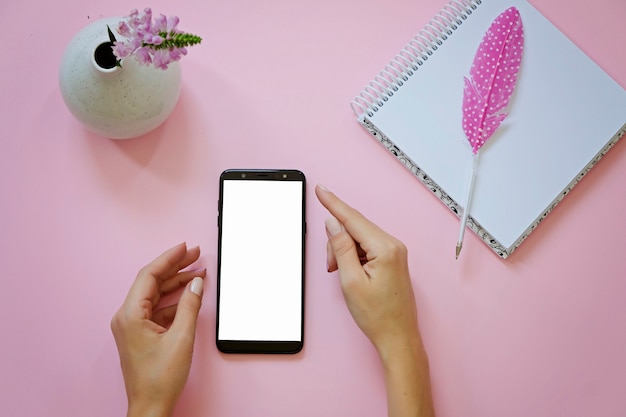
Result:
x=165 y=316
x=360 y=228
x=179 y=280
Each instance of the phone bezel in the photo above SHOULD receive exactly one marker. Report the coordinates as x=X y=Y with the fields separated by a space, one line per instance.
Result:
x=258 y=346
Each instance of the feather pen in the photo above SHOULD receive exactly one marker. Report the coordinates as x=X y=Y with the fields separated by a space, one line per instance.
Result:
x=488 y=88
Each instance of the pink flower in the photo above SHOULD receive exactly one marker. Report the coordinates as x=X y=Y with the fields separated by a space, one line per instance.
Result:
x=161 y=58
x=157 y=42
x=143 y=55
x=123 y=29
x=122 y=50
x=172 y=22
x=153 y=39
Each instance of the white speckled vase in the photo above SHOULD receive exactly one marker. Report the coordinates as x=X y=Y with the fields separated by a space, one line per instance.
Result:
x=118 y=103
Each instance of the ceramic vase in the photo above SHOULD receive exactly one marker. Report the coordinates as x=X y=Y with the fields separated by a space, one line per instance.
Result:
x=116 y=102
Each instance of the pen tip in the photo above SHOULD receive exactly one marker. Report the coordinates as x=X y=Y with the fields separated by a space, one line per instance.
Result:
x=458 y=249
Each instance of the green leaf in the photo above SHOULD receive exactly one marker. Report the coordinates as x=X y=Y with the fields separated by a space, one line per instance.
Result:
x=111 y=35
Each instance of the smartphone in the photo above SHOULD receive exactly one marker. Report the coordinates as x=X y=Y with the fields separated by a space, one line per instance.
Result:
x=260 y=279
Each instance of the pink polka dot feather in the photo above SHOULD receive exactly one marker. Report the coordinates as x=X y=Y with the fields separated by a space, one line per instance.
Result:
x=492 y=78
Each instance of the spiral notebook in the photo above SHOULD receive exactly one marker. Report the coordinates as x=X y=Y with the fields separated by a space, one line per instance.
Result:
x=565 y=114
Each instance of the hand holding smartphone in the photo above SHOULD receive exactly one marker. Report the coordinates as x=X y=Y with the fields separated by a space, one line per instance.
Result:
x=262 y=227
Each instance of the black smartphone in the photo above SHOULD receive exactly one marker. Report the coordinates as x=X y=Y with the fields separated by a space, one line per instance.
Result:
x=260 y=278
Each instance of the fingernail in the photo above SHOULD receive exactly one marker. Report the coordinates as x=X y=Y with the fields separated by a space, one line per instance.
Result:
x=322 y=187
x=333 y=227
x=196 y=285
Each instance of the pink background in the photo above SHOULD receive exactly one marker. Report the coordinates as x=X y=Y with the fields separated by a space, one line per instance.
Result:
x=540 y=334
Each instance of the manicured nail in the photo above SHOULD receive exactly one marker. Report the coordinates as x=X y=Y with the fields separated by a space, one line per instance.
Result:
x=333 y=226
x=196 y=285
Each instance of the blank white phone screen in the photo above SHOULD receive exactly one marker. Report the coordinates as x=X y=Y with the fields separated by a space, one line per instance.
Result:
x=261 y=261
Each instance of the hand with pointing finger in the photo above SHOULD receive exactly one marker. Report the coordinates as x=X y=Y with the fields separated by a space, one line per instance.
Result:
x=374 y=277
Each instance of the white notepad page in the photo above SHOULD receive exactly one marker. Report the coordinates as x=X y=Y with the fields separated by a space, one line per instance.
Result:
x=564 y=111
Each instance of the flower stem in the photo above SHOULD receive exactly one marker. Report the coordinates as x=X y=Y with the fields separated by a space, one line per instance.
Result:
x=176 y=40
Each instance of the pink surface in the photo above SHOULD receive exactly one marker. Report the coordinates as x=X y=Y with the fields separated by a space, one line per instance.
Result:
x=541 y=334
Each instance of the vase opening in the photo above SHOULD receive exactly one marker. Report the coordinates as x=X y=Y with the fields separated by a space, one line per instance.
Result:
x=104 y=57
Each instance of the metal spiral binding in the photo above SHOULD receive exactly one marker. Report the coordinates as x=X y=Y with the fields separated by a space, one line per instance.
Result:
x=412 y=56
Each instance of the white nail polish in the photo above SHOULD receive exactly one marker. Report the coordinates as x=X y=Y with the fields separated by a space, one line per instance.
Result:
x=333 y=226
x=196 y=285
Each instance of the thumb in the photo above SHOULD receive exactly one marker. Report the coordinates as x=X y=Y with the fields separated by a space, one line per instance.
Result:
x=344 y=249
x=188 y=308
